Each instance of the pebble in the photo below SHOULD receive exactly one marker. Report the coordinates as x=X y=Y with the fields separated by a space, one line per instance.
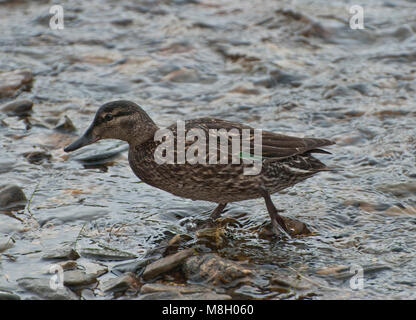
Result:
x=74 y=278
x=37 y=157
x=12 y=81
x=167 y=263
x=405 y=189
x=95 y=268
x=64 y=252
x=122 y=283
x=11 y=196
x=6 y=244
x=18 y=108
x=133 y=266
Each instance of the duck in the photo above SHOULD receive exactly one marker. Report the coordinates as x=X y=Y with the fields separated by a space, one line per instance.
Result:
x=212 y=171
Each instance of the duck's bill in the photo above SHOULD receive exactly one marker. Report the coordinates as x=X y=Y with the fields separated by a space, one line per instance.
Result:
x=86 y=139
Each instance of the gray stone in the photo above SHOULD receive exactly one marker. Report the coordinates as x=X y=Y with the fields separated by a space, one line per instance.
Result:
x=64 y=252
x=167 y=263
x=5 y=295
x=173 y=295
x=65 y=126
x=12 y=81
x=18 y=107
x=43 y=289
x=6 y=244
x=106 y=254
x=160 y=287
x=74 y=278
x=121 y=283
x=11 y=196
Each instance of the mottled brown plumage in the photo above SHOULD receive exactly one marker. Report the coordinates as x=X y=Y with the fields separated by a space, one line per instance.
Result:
x=284 y=160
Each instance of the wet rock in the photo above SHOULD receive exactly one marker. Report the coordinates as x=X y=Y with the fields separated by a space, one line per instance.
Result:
x=43 y=289
x=248 y=292
x=186 y=75
x=134 y=266
x=172 y=295
x=151 y=291
x=166 y=264
x=212 y=237
x=11 y=196
x=18 y=108
x=214 y=269
x=11 y=82
x=65 y=126
x=245 y=89
x=64 y=252
x=338 y=91
x=71 y=213
x=160 y=287
x=6 y=244
x=279 y=77
x=404 y=189
x=295 y=227
x=166 y=295
x=6 y=295
x=6 y=166
x=95 y=268
x=119 y=284
x=37 y=157
x=75 y=278
x=106 y=254
x=68 y=265
x=122 y=22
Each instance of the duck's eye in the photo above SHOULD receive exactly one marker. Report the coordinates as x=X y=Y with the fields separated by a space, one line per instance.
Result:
x=108 y=117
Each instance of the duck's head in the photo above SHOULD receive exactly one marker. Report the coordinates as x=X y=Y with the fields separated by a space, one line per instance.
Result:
x=123 y=120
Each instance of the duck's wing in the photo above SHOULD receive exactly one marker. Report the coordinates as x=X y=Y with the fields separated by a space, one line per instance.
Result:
x=274 y=146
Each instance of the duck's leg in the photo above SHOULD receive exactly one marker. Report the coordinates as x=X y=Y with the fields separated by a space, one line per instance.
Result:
x=216 y=213
x=277 y=220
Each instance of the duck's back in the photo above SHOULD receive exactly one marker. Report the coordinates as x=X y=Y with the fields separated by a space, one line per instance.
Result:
x=284 y=161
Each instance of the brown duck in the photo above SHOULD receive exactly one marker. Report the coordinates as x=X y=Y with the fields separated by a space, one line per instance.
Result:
x=285 y=160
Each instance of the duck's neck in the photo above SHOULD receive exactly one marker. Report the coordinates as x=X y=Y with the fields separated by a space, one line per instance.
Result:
x=140 y=134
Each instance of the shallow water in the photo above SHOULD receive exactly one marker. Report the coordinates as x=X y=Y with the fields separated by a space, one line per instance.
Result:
x=291 y=66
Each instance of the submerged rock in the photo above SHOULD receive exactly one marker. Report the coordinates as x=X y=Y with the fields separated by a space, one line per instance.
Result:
x=6 y=295
x=166 y=264
x=213 y=269
x=37 y=157
x=11 y=196
x=6 y=244
x=65 y=126
x=12 y=81
x=18 y=107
